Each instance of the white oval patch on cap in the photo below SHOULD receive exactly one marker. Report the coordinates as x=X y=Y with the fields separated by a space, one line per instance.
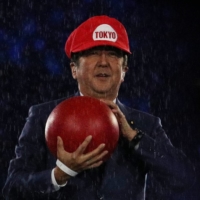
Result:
x=105 y=32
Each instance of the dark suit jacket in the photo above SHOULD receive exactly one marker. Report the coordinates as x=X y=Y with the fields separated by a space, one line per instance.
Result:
x=122 y=177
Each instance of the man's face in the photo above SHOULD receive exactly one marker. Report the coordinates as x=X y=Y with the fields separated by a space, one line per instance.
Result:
x=100 y=72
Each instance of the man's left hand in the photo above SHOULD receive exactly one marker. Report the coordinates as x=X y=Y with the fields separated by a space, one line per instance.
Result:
x=125 y=128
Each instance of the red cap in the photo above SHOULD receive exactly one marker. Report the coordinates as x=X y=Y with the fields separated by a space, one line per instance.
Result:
x=97 y=31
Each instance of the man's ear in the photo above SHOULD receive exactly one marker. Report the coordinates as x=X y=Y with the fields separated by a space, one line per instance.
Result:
x=125 y=69
x=73 y=69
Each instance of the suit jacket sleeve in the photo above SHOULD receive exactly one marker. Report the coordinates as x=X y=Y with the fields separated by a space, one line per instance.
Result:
x=29 y=171
x=169 y=170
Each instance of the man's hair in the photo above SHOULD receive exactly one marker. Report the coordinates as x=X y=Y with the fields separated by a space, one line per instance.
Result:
x=75 y=56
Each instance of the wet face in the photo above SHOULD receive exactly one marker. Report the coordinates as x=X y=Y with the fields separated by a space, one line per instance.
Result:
x=100 y=72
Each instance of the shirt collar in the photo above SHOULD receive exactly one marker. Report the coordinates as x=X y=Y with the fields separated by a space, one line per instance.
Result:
x=83 y=95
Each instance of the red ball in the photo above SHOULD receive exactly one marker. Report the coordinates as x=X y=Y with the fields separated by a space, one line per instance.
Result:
x=76 y=118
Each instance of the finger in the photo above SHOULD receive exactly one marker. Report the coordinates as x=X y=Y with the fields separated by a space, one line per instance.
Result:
x=97 y=164
x=115 y=109
x=117 y=113
x=111 y=104
x=94 y=153
x=60 y=146
x=101 y=156
x=96 y=158
x=83 y=146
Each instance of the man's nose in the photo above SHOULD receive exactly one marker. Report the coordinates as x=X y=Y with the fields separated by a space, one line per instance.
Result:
x=103 y=59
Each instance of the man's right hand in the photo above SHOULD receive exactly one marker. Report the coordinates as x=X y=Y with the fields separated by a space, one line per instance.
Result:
x=78 y=161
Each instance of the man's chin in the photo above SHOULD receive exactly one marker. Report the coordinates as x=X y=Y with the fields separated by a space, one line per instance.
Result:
x=103 y=92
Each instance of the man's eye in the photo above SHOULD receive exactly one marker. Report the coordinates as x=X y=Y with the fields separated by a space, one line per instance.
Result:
x=94 y=53
x=90 y=53
x=113 y=53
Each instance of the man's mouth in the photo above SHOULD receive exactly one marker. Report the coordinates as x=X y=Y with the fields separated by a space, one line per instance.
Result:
x=102 y=75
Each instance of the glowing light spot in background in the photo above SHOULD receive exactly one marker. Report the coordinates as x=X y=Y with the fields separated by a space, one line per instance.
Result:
x=29 y=27
x=39 y=44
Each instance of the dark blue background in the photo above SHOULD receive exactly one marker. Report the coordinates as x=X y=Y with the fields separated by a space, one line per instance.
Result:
x=164 y=75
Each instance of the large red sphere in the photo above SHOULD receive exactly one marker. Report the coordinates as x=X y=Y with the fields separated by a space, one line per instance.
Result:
x=76 y=118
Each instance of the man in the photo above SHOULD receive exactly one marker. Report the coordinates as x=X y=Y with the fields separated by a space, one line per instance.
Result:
x=98 y=50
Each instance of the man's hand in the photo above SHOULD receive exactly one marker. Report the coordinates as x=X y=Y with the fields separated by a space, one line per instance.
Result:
x=78 y=161
x=125 y=128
